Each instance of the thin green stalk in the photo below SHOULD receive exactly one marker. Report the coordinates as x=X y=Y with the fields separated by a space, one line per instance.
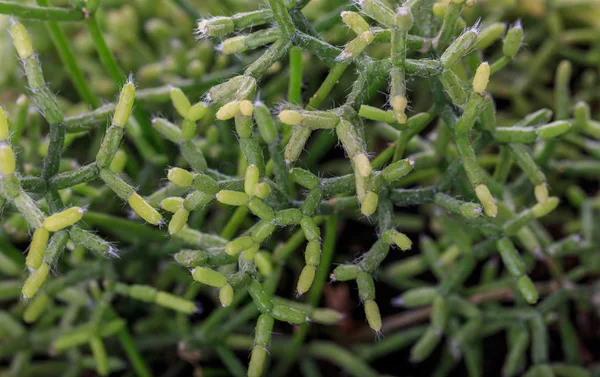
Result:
x=326 y=259
x=234 y=223
x=383 y=157
x=342 y=358
x=20 y=120
x=188 y=8
x=125 y=339
x=401 y=142
x=44 y=13
x=202 y=333
x=325 y=140
x=59 y=38
x=139 y=365
x=330 y=81
x=231 y=361
x=448 y=29
x=391 y=343
x=106 y=57
x=310 y=368
x=318 y=148
x=116 y=74
x=295 y=84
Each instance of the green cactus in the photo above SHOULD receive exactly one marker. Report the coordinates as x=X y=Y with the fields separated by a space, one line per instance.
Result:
x=224 y=129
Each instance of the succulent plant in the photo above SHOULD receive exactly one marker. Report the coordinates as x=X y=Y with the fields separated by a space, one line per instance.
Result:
x=465 y=136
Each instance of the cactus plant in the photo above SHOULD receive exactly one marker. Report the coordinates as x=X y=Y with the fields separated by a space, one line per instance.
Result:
x=223 y=163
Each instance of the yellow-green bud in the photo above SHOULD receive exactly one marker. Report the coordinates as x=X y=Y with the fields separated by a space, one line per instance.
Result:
x=306 y=279
x=3 y=125
x=172 y=204
x=34 y=281
x=355 y=22
x=7 y=159
x=402 y=241
x=21 y=40
x=35 y=256
x=180 y=102
x=234 y=45
x=290 y=117
x=63 y=219
x=482 y=77
x=180 y=177
x=118 y=162
x=228 y=110
x=257 y=361
x=226 y=295
x=369 y=203
x=239 y=244
x=210 y=277
x=178 y=221
x=125 y=105
x=399 y=104
x=362 y=164
x=541 y=193
x=232 y=198
x=197 y=111
x=251 y=179
x=246 y=108
x=486 y=200
x=263 y=263
x=143 y=209
x=326 y=316
x=262 y=190
x=373 y=315
x=540 y=210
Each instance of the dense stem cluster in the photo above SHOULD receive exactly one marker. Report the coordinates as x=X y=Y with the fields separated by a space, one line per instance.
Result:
x=487 y=184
